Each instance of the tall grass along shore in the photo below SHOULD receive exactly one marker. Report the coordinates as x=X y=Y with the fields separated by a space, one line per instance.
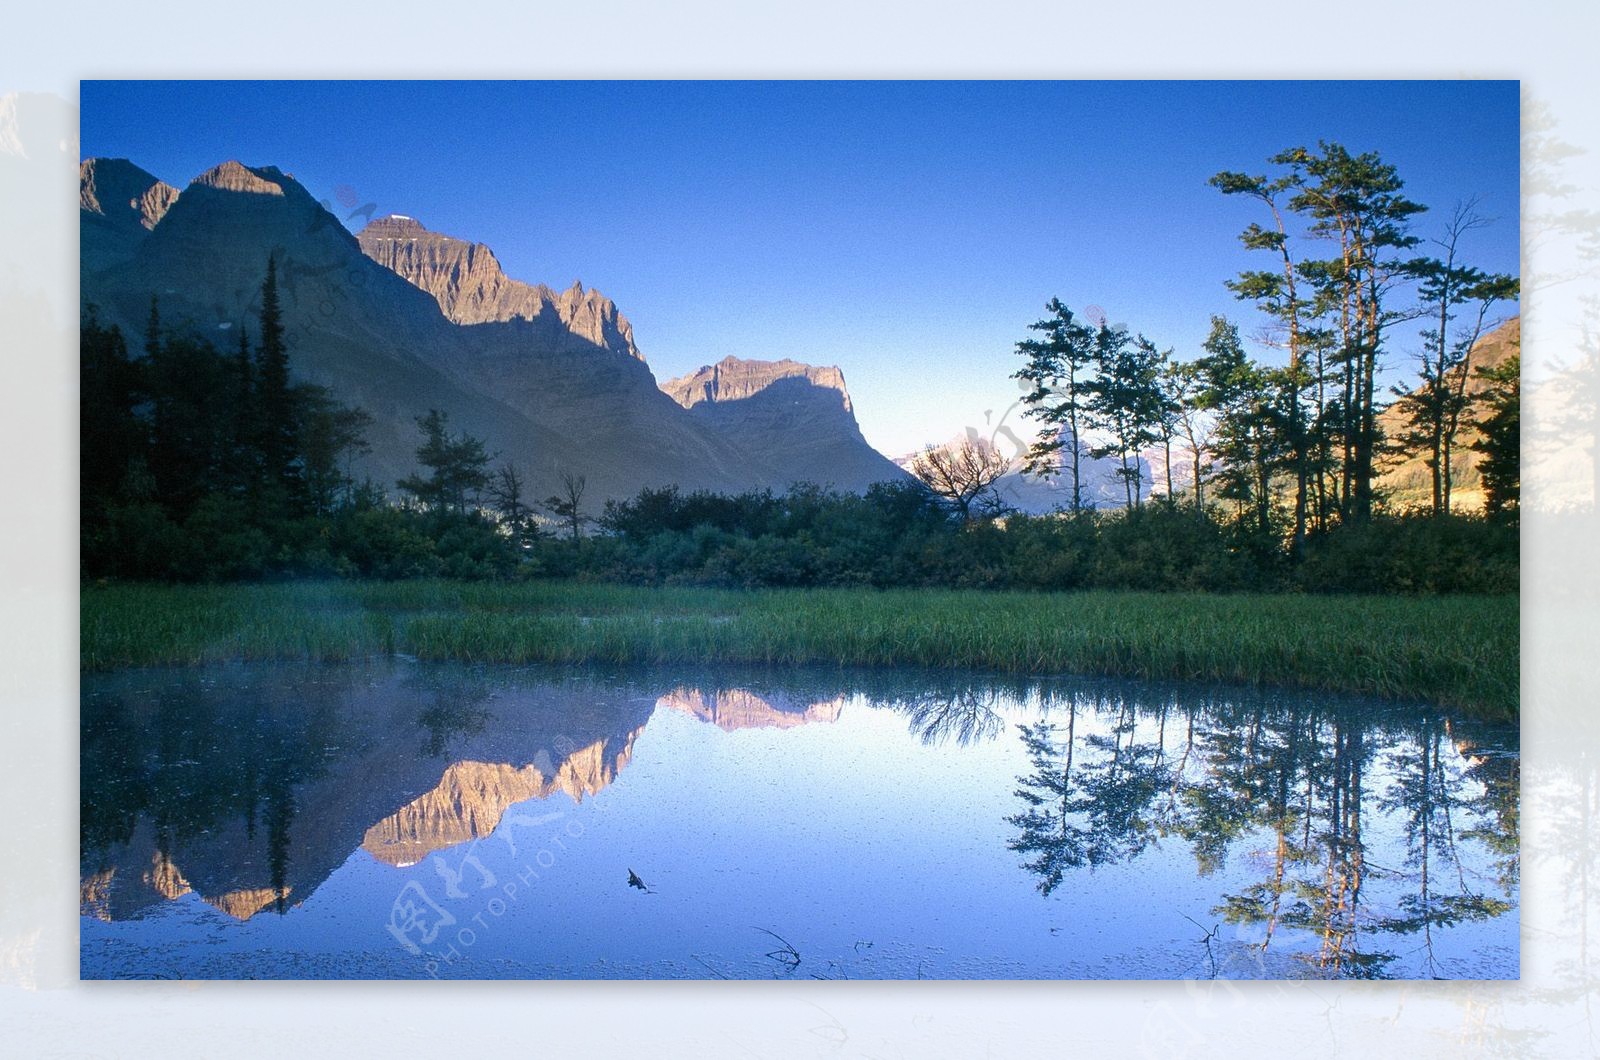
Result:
x=1455 y=651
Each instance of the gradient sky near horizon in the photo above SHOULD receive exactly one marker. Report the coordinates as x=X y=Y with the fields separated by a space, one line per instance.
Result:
x=905 y=231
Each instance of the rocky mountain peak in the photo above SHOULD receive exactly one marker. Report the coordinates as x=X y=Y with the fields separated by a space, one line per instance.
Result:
x=233 y=176
x=471 y=287
x=395 y=226
x=736 y=379
x=800 y=412
x=123 y=194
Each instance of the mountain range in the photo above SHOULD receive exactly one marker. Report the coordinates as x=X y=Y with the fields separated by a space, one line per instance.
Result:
x=399 y=320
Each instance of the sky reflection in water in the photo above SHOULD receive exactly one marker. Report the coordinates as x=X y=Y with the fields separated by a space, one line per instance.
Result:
x=405 y=820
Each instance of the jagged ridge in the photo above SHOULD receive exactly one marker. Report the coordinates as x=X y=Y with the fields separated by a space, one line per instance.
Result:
x=471 y=288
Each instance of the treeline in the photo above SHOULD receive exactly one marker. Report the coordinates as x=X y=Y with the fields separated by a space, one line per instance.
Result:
x=904 y=535
x=205 y=464
x=1296 y=448
x=202 y=464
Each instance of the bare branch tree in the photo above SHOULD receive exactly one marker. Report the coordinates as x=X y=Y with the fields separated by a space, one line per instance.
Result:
x=567 y=505
x=963 y=475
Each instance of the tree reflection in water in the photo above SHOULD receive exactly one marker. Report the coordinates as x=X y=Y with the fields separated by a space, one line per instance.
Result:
x=1287 y=789
x=965 y=715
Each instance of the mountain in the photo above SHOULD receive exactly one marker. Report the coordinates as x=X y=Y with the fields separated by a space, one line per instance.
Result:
x=471 y=288
x=733 y=709
x=118 y=204
x=798 y=416
x=472 y=798
x=559 y=389
x=401 y=320
x=1407 y=482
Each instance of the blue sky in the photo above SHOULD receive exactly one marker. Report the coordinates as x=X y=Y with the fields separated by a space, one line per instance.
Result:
x=905 y=231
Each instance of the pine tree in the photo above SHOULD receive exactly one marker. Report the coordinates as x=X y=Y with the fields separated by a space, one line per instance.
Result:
x=1059 y=370
x=1125 y=403
x=457 y=465
x=1500 y=436
x=1251 y=438
x=275 y=412
x=1434 y=406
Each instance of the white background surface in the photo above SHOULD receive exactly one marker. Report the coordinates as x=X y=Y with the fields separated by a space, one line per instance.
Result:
x=44 y=1011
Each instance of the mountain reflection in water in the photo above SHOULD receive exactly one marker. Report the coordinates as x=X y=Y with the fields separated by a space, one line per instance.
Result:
x=1332 y=837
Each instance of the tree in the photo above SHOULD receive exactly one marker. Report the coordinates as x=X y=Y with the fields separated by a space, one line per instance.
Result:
x=1433 y=408
x=1500 y=436
x=191 y=433
x=1276 y=292
x=1059 y=372
x=243 y=472
x=457 y=465
x=1185 y=383
x=505 y=489
x=1251 y=439
x=113 y=439
x=331 y=437
x=275 y=403
x=1168 y=406
x=567 y=506
x=1125 y=403
x=1356 y=202
x=963 y=475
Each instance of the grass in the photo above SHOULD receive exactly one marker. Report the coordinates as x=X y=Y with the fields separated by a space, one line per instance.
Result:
x=1459 y=652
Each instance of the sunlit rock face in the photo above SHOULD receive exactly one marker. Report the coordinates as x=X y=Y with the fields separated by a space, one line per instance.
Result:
x=734 y=709
x=472 y=797
x=94 y=894
x=126 y=888
x=122 y=193
x=471 y=288
x=733 y=379
x=247 y=902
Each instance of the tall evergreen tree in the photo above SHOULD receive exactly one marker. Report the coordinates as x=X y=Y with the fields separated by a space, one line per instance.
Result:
x=1277 y=291
x=1434 y=405
x=458 y=467
x=331 y=436
x=1252 y=432
x=1125 y=403
x=1500 y=436
x=274 y=400
x=1356 y=203
x=244 y=466
x=113 y=439
x=1059 y=371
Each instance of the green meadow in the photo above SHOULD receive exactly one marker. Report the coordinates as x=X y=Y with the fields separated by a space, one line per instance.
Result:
x=1455 y=651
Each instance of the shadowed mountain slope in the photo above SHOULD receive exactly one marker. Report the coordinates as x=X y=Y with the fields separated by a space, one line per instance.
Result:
x=384 y=344
x=799 y=417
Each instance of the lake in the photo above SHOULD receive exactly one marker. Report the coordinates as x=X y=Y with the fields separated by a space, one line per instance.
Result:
x=407 y=820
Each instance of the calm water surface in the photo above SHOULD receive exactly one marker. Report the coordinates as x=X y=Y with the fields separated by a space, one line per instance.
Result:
x=414 y=821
